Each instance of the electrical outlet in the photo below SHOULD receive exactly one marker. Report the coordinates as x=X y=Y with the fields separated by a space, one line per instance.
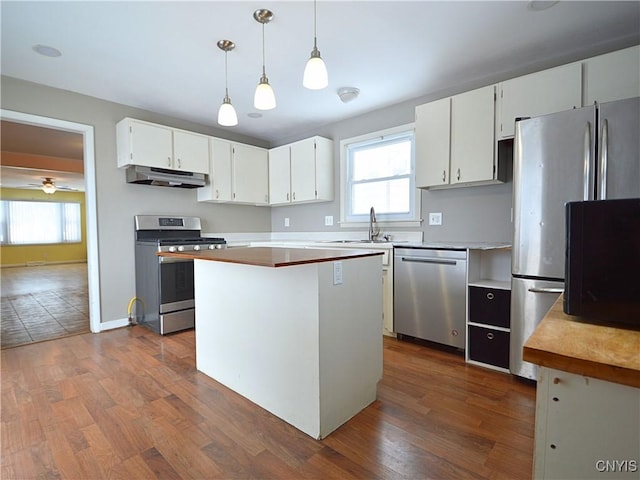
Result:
x=286 y=221
x=337 y=273
x=435 y=218
x=328 y=220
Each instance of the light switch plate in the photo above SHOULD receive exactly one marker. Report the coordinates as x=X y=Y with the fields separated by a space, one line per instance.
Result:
x=435 y=218
x=286 y=221
x=337 y=273
x=328 y=220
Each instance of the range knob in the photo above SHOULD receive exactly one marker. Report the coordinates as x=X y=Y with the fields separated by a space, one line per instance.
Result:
x=211 y=247
x=196 y=247
x=172 y=249
x=181 y=248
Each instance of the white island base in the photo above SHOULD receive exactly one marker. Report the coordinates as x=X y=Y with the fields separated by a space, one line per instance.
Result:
x=290 y=340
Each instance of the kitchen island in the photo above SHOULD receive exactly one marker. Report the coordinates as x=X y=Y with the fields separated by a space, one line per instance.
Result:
x=588 y=398
x=296 y=331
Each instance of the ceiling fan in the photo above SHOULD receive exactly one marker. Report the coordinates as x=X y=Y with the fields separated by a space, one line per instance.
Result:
x=49 y=187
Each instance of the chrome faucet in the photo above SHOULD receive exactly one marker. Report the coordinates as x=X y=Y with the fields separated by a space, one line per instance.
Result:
x=374 y=230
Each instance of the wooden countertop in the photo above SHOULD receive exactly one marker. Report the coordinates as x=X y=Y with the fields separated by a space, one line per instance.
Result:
x=272 y=256
x=572 y=344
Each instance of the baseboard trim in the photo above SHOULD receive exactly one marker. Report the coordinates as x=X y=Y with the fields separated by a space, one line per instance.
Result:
x=119 y=323
x=37 y=263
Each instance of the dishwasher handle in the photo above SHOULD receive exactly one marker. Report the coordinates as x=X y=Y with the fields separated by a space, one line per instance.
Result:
x=436 y=261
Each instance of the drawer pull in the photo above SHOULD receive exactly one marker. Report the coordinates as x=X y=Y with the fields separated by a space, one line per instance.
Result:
x=490 y=336
x=490 y=296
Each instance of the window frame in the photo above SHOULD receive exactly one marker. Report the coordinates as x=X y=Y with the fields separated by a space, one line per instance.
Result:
x=4 y=227
x=345 y=194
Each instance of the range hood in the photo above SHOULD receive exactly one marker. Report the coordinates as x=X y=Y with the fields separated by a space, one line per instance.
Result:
x=163 y=177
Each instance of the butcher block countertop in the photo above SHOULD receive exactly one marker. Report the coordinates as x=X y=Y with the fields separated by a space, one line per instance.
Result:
x=574 y=345
x=272 y=256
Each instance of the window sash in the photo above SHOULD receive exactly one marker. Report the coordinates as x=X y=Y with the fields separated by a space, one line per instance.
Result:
x=354 y=210
x=33 y=222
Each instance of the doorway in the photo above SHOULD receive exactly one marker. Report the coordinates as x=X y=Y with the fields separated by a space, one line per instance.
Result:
x=87 y=133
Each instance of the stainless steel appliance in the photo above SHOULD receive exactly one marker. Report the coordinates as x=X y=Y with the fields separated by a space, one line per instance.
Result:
x=429 y=294
x=581 y=154
x=164 y=285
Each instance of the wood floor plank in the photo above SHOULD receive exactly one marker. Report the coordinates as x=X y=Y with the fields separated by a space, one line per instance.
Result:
x=130 y=404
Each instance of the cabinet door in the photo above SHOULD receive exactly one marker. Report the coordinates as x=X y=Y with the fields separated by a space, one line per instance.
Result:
x=324 y=169
x=613 y=76
x=250 y=175
x=540 y=93
x=218 y=186
x=303 y=171
x=151 y=145
x=472 y=139
x=279 y=176
x=190 y=152
x=432 y=138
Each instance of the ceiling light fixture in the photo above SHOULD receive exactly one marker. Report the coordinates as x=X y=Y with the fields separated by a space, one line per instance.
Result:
x=48 y=186
x=264 y=98
x=227 y=116
x=315 y=72
x=47 y=51
x=348 y=94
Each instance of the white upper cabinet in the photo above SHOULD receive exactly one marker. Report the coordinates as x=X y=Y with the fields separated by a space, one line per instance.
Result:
x=301 y=172
x=548 y=91
x=239 y=174
x=218 y=186
x=455 y=140
x=190 y=152
x=612 y=76
x=432 y=143
x=279 y=175
x=151 y=145
x=250 y=175
x=472 y=136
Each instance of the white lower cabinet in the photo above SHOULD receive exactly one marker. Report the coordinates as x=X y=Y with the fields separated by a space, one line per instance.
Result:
x=586 y=428
x=301 y=172
x=239 y=174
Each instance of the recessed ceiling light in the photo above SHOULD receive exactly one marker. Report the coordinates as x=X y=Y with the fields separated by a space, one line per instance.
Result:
x=47 y=51
x=539 y=5
x=254 y=115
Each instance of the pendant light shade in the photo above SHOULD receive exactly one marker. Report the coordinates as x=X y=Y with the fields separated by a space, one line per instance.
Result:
x=227 y=116
x=264 y=98
x=315 y=73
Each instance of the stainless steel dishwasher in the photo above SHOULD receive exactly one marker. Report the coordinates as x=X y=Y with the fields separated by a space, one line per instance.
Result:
x=429 y=294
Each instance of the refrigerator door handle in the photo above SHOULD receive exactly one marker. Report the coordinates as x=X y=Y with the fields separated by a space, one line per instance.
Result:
x=604 y=159
x=546 y=290
x=587 y=161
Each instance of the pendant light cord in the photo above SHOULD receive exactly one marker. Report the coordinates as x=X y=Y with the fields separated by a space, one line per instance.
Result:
x=315 y=24
x=263 y=55
x=226 y=76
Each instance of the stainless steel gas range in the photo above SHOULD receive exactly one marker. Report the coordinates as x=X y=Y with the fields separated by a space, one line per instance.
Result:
x=164 y=285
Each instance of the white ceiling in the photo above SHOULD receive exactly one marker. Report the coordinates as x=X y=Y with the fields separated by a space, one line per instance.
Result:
x=162 y=56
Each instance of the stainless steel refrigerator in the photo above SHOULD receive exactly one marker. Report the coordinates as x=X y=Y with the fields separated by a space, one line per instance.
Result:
x=581 y=154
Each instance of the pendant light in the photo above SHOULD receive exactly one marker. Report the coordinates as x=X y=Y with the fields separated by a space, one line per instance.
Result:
x=227 y=115
x=264 y=98
x=315 y=73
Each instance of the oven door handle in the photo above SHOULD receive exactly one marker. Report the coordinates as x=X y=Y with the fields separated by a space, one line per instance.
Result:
x=163 y=259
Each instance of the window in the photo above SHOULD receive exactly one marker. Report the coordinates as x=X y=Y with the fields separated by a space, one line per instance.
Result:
x=27 y=222
x=378 y=171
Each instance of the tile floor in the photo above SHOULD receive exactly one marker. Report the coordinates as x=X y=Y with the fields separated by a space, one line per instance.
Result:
x=43 y=302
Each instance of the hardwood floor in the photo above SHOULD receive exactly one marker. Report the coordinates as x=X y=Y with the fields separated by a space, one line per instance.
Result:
x=130 y=404
x=43 y=302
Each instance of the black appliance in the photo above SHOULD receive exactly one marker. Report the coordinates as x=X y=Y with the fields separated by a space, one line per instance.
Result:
x=602 y=267
x=164 y=285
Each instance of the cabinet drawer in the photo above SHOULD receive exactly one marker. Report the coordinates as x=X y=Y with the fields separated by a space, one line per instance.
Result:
x=489 y=346
x=489 y=306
